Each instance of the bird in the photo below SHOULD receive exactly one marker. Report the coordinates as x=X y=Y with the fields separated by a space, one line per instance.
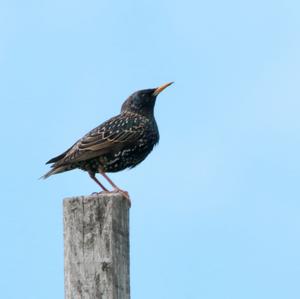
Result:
x=121 y=142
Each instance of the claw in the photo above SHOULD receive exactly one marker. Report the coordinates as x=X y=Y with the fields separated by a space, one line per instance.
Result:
x=96 y=193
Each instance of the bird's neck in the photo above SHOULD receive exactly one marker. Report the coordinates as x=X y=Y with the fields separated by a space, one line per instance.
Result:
x=145 y=113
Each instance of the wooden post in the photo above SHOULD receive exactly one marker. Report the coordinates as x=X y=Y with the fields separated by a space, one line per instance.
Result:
x=96 y=239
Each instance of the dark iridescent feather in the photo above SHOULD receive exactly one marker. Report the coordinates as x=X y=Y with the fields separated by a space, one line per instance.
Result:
x=121 y=142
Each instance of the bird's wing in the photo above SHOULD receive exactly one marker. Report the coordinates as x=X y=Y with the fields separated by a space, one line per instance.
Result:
x=111 y=136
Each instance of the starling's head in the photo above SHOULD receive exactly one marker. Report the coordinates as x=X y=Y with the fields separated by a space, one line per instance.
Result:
x=143 y=101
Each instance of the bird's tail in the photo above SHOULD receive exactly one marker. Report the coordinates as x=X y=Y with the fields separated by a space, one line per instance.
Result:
x=55 y=171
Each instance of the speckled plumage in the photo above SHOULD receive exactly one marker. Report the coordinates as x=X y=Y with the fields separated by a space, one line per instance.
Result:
x=121 y=142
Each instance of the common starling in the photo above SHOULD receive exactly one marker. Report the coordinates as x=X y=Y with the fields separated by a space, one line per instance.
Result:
x=121 y=142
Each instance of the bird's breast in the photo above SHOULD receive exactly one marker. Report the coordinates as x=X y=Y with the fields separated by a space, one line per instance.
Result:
x=132 y=154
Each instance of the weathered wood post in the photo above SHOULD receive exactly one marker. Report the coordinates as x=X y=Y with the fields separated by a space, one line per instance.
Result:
x=96 y=240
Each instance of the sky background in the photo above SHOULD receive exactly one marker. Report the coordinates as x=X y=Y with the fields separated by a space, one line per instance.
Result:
x=215 y=207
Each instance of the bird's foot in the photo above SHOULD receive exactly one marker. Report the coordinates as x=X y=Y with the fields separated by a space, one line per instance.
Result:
x=124 y=193
x=96 y=193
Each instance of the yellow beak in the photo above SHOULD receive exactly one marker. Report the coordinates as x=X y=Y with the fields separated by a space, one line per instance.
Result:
x=161 y=88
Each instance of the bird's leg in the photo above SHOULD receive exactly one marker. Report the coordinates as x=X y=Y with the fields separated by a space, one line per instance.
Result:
x=125 y=193
x=93 y=177
x=109 y=180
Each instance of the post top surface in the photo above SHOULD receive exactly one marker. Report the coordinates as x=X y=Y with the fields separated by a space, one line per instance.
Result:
x=105 y=196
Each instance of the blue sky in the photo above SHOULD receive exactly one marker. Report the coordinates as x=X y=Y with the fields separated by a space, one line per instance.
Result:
x=215 y=207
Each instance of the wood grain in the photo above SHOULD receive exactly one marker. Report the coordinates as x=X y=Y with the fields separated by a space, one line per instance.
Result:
x=96 y=240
